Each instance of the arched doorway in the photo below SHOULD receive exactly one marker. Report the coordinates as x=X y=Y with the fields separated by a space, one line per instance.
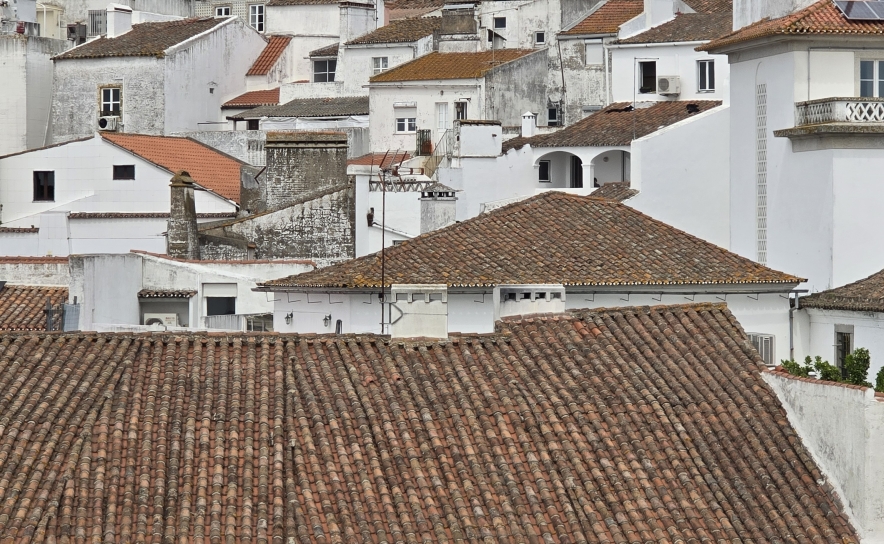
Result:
x=560 y=170
x=610 y=166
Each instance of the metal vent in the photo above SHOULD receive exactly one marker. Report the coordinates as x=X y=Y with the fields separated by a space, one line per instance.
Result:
x=761 y=172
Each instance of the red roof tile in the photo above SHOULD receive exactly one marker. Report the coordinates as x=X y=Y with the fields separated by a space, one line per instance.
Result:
x=382 y=160
x=552 y=237
x=617 y=190
x=22 y=307
x=625 y=425
x=32 y=260
x=401 y=31
x=327 y=51
x=19 y=230
x=208 y=167
x=821 y=19
x=687 y=27
x=254 y=99
x=450 y=65
x=608 y=18
x=144 y=40
x=267 y=59
x=865 y=295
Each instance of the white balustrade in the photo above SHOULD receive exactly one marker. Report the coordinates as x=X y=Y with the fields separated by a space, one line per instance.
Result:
x=839 y=110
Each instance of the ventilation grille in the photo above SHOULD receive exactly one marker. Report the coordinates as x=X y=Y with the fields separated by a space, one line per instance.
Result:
x=761 y=172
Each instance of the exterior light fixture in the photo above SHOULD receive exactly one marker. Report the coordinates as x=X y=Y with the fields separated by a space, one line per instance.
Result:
x=326 y=320
x=288 y=318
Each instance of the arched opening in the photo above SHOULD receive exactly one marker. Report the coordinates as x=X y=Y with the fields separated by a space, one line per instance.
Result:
x=610 y=166
x=560 y=170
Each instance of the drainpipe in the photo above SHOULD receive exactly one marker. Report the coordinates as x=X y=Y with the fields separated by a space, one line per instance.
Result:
x=605 y=53
x=792 y=328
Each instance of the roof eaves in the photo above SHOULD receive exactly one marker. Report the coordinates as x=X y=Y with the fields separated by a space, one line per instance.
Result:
x=182 y=44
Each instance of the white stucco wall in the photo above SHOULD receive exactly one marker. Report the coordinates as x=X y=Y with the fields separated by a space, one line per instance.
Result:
x=41 y=272
x=815 y=334
x=312 y=27
x=747 y=12
x=672 y=60
x=356 y=61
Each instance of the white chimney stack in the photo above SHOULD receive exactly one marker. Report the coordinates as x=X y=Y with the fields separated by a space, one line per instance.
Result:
x=119 y=20
x=528 y=299
x=419 y=310
x=529 y=124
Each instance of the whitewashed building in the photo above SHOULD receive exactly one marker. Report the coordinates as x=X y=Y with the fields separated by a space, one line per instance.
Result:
x=806 y=157
x=544 y=254
x=152 y=78
x=108 y=193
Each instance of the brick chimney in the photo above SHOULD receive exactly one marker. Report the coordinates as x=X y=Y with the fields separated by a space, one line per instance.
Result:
x=438 y=207
x=182 y=240
x=299 y=163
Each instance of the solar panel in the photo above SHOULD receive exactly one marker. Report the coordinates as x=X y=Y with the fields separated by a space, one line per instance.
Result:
x=861 y=10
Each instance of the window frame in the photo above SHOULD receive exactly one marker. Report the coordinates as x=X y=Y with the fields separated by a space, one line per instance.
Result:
x=461 y=110
x=877 y=79
x=256 y=16
x=542 y=34
x=498 y=22
x=642 y=77
x=406 y=125
x=110 y=101
x=219 y=8
x=256 y=123
x=229 y=302
x=442 y=121
x=592 y=43
x=553 y=120
x=375 y=68
x=540 y=166
x=47 y=185
x=119 y=173
x=706 y=67
x=328 y=73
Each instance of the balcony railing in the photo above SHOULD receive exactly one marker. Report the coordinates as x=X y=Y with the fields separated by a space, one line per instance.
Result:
x=839 y=110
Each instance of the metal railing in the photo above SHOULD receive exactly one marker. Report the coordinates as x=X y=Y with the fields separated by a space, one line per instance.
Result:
x=441 y=153
x=424 y=142
x=62 y=317
x=239 y=322
x=399 y=186
x=839 y=110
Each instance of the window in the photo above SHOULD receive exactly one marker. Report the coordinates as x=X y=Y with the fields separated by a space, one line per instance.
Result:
x=324 y=70
x=222 y=11
x=843 y=345
x=44 y=186
x=706 y=76
x=500 y=22
x=252 y=124
x=871 y=78
x=256 y=17
x=594 y=52
x=124 y=171
x=441 y=115
x=539 y=38
x=543 y=172
x=406 y=124
x=460 y=110
x=378 y=64
x=647 y=77
x=111 y=101
x=552 y=117
x=764 y=344
x=220 y=305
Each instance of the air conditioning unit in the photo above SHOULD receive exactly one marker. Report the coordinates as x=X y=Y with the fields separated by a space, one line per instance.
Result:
x=167 y=320
x=668 y=85
x=764 y=343
x=109 y=123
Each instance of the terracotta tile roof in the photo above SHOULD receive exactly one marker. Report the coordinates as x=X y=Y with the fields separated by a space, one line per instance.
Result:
x=22 y=307
x=254 y=99
x=620 y=425
x=311 y=107
x=301 y=2
x=450 y=65
x=549 y=238
x=327 y=51
x=19 y=230
x=141 y=215
x=144 y=40
x=153 y=293
x=402 y=9
x=382 y=160
x=710 y=6
x=687 y=27
x=401 y=31
x=267 y=59
x=618 y=124
x=618 y=191
x=207 y=166
x=821 y=19
x=608 y=18
x=224 y=261
x=32 y=260
x=865 y=295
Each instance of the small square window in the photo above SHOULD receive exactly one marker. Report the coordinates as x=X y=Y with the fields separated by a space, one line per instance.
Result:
x=543 y=173
x=256 y=17
x=124 y=171
x=324 y=71
x=111 y=101
x=252 y=124
x=378 y=64
x=552 y=117
x=406 y=124
x=220 y=305
x=222 y=11
x=500 y=22
x=540 y=38
x=44 y=186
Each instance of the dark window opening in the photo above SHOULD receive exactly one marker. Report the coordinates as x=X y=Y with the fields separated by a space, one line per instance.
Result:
x=843 y=347
x=576 y=172
x=647 y=73
x=552 y=117
x=252 y=124
x=500 y=22
x=540 y=38
x=220 y=305
x=324 y=71
x=460 y=110
x=544 y=171
x=44 y=186
x=124 y=171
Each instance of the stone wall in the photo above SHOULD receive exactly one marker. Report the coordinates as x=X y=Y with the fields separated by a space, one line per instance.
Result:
x=35 y=270
x=299 y=163
x=245 y=145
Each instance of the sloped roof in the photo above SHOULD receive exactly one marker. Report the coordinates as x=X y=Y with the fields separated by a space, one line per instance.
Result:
x=710 y=6
x=687 y=27
x=209 y=167
x=400 y=9
x=821 y=19
x=22 y=306
x=312 y=107
x=549 y=238
x=450 y=65
x=401 y=31
x=617 y=124
x=327 y=51
x=617 y=190
x=620 y=425
x=253 y=99
x=865 y=295
x=144 y=40
x=381 y=160
x=608 y=18
x=268 y=57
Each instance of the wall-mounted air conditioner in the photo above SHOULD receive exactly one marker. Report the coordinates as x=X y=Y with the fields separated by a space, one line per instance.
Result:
x=668 y=85
x=168 y=320
x=109 y=123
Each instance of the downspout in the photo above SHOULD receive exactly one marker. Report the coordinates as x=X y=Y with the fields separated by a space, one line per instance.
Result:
x=792 y=328
x=605 y=52
x=562 y=121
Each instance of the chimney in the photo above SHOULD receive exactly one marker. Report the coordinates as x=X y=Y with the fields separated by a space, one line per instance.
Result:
x=458 y=30
x=529 y=124
x=422 y=311
x=182 y=240
x=528 y=299
x=119 y=20
x=438 y=207
x=301 y=162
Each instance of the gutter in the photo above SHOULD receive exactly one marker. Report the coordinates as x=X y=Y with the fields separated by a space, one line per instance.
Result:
x=657 y=44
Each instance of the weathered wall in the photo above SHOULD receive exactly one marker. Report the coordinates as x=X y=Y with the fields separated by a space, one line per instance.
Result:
x=356 y=64
x=584 y=83
x=302 y=162
x=245 y=145
x=320 y=229
x=35 y=271
x=181 y=237
x=513 y=88
x=77 y=10
x=39 y=81
x=107 y=288
x=679 y=60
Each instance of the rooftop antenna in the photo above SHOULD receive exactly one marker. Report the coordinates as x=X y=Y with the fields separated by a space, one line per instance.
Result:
x=382 y=171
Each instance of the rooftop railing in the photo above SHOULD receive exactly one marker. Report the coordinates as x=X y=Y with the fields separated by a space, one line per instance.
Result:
x=839 y=110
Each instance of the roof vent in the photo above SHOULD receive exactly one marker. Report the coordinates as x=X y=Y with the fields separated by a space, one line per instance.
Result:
x=529 y=299
x=419 y=310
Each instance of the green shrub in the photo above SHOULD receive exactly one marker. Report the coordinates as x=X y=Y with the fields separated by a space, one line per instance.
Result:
x=825 y=371
x=856 y=367
x=879 y=380
x=796 y=369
